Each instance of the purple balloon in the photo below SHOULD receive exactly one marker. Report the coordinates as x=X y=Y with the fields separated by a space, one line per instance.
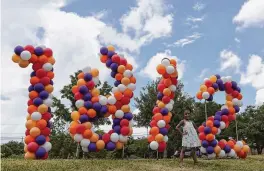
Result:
x=217 y=123
x=48 y=124
x=219 y=81
x=51 y=82
x=114 y=67
x=83 y=89
x=217 y=117
x=215 y=86
x=97 y=106
x=37 y=101
x=238 y=89
x=39 y=87
x=217 y=76
x=210 y=98
x=117 y=83
x=128 y=116
x=117 y=129
x=38 y=51
x=110 y=146
x=30 y=88
x=163 y=131
x=40 y=140
x=221 y=87
x=204 y=124
x=225 y=112
x=209 y=150
x=18 y=50
x=33 y=74
x=164 y=111
x=87 y=97
x=40 y=152
x=213 y=143
x=49 y=110
x=92 y=147
x=104 y=110
x=116 y=121
x=207 y=130
x=159 y=96
x=113 y=74
x=88 y=77
x=88 y=104
x=227 y=148
x=108 y=63
x=44 y=95
x=205 y=143
x=103 y=50
x=237 y=109
x=234 y=85
x=110 y=54
x=84 y=118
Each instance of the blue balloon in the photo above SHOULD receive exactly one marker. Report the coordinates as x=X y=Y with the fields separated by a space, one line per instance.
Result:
x=40 y=152
x=110 y=146
x=33 y=74
x=128 y=116
x=159 y=96
x=163 y=131
x=221 y=87
x=225 y=112
x=83 y=89
x=116 y=121
x=108 y=63
x=217 y=123
x=164 y=111
x=40 y=140
x=209 y=150
x=117 y=83
x=18 y=50
x=30 y=88
x=205 y=143
x=88 y=77
x=238 y=89
x=234 y=85
x=217 y=117
x=219 y=81
x=104 y=110
x=97 y=106
x=39 y=87
x=117 y=129
x=237 y=109
x=37 y=101
x=88 y=104
x=217 y=76
x=103 y=50
x=227 y=148
x=84 y=118
x=114 y=67
x=87 y=97
x=44 y=94
x=215 y=86
x=110 y=54
x=210 y=98
x=38 y=51
x=51 y=82
x=92 y=147
x=213 y=143
x=113 y=74
x=207 y=130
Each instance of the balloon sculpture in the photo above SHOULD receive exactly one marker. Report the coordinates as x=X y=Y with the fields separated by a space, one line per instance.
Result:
x=37 y=142
x=92 y=106
x=161 y=112
x=222 y=118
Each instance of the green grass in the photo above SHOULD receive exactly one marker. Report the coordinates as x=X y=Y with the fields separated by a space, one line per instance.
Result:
x=254 y=163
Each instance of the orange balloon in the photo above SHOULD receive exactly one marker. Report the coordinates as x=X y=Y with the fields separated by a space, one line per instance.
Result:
x=87 y=134
x=32 y=108
x=133 y=80
x=80 y=75
x=33 y=58
x=23 y=64
x=154 y=131
x=237 y=148
x=75 y=89
x=34 y=132
x=167 y=82
x=119 y=76
x=94 y=138
x=209 y=123
x=229 y=97
x=95 y=99
x=100 y=144
x=125 y=108
x=41 y=124
x=203 y=88
x=87 y=125
x=231 y=144
x=16 y=58
x=151 y=138
x=25 y=148
x=157 y=117
x=29 y=155
x=49 y=88
x=95 y=92
x=74 y=123
x=121 y=69
x=103 y=58
x=217 y=149
x=81 y=82
x=50 y=74
x=82 y=110
x=211 y=90
x=167 y=92
x=199 y=95
x=214 y=130
x=51 y=60
x=128 y=93
x=231 y=110
x=118 y=95
x=239 y=97
x=246 y=148
x=167 y=119
x=28 y=139
x=173 y=62
x=174 y=74
x=33 y=94
x=43 y=59
x=95 y=72
x=161 y=69
x=119 y=145
x=209 y=137
x=159 y=137
x=125 y=81
x=112 y=109
x=30 y=124
x=111 y=48
x=91 y=113
x=72 y=129
x=34 y=80
x=229 y=103
x=42 y=108
x=129 y=67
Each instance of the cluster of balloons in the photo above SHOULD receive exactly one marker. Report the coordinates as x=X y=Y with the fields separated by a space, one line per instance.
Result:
x=92 y=106
x=161 y=112
x=214 y=124
x=38 y=123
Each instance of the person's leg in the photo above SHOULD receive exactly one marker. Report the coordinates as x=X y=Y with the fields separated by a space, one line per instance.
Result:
x=182 y=155
x=194 y=156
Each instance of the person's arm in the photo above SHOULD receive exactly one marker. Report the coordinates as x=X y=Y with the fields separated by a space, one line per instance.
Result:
x=178 y=126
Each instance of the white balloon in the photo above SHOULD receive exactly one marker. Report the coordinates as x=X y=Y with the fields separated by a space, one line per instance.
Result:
x=114 y=137
x=35 y=116
x=119 y=114
x=47 y=146
x=222 y=125
x=165 y=138
x=85 y=149
x=172 y=102
x=224 y=107
x=228 y=78
x=170 y=69
x=128 y=73
x=206 y=79
x=161 y=123
x=235 y=101
x=111 y=100
x=218 y=131
x=79 y=103
x=78 y=137
x=205 y=95
x=121 y=87
x=172 y=88
x=222 y=154
x=47 y=66
x=240 y=103
x=115 y=89
x=131 y=86
x=154 y=145
x=103 y=100
x=86 y=70
x=211 y=156
x=165 y=62
x=169 y=106
x=48 y=102
x=224 y=79
x=25 y=55
x=43 y=46
x=203 y=150
x=232 y=153
x=240 y=144
x=122 y=55
x=96 y=80
x=131 y=123
x=50 y=96
x=85 y=143
x=123 y=138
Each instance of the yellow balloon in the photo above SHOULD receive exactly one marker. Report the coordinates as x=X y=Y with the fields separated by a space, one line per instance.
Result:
x=30 y=124
x=95 y=92
x=95 y=72
x=30 y=155
x=245 y=148
x=111 y=48
x=34 y=132
x=213 y=78
x=42 y=108
x=125 y=108
x=159 y=137
x=119 y=145
x=161 y=105
x=16 y=58
x=88 y=125
x=100 y=144
x=49 y=88
x=75 y=115
x=203 y=88
x=23 y=64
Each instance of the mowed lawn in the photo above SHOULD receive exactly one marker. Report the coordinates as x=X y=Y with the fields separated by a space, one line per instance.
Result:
x=254 y=163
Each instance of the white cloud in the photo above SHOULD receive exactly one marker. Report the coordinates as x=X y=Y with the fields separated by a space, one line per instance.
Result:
x=187 y=40
x=198 y=6
x=251 y=14
x=150 y=69
x=204 y=71
x=237 y=40
x=254 y=75
x=195 y=19
x=229 y=60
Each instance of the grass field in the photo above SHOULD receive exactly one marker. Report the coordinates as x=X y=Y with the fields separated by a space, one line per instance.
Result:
x=252 y=163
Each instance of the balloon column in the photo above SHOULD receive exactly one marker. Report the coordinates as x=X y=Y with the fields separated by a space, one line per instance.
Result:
x=92 y=106
x=222 y=118
x=161 y=112
x=37 y=142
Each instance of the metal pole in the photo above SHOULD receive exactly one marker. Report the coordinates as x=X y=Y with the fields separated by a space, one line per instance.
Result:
x=123 y=152
x=157 y=155
x=236 y=130
x=205 y=109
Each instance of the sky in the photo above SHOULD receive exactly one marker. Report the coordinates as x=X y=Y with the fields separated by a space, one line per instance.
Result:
x=205 y=37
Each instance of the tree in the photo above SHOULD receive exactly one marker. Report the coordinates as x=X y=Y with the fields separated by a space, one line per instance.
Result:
x=6 y=151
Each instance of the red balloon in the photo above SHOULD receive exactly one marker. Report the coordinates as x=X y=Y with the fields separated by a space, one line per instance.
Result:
x=30 y=48
x=32 y=147
x=211 y=118
x=242 y=154
x=46 y=116
x=36 y=66
x=229 y=90
x=45 y=131
x=125 y=100
x=155 y=110
x=174 y=81
x=30 y=102
x=166 y=99
x=124 y=122
x=125 y=130
x=123 y=61
x=201 y=129
x=231 y=117
x=202 y=136
x=208 y=83
x=118 y=105
x=224 y=118
x=116 y=59
x=172 y=95
x=78 y=96
x=167 y=126
x=45 y=81
x=227 y=124
x=235 y=94
x=110 y=132
x=162 y=146
x=166 y=75
x=161 y=81
x=48 y=52
x=161 y=87
x=106 y=138
x=80 y=129
x=153 y=123
x=41 y=73
x=221 y=144
x=45 y=157
x=27 y=132
x=90 y=84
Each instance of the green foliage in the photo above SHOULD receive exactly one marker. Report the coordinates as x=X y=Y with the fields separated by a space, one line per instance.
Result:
x=6 y=151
